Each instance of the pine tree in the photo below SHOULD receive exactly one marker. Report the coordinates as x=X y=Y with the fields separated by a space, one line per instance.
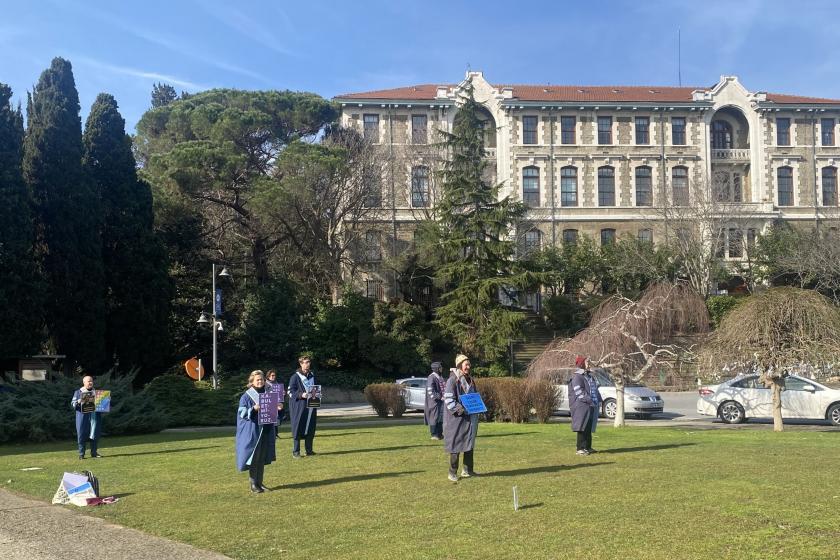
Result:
x=21 y=289
x=477 y=251
x=68 y=219
x=163 y=94
x=135 y=265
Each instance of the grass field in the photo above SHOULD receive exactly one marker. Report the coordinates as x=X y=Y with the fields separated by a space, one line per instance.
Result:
x=382 y=492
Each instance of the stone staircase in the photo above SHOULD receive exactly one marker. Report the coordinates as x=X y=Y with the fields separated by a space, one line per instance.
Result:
x=536 y=337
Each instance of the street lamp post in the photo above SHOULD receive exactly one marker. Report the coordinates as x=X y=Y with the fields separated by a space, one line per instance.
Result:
x=216 y=324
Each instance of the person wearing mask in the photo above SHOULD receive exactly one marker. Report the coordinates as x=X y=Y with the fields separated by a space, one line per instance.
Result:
x=303 y=417
x=581 y=405
x=459 y=428
x=88 y=421
x=434 y=401
x=254 y=441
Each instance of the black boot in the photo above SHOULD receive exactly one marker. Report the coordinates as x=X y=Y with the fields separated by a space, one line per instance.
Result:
x=256 y=488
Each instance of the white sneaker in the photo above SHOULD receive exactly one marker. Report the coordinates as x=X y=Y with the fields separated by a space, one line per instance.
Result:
x=453 y=478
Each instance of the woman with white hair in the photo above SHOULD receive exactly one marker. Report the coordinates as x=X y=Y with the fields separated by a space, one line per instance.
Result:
x=459 y=428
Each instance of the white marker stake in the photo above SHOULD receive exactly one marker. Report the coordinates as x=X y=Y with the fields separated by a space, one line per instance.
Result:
x=515 y=500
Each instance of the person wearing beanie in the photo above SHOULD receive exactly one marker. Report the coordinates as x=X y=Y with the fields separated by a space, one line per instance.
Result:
x=582 y=404
x=459 y=428
x=434 y=401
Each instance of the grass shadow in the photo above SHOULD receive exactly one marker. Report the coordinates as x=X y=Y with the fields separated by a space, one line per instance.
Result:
x=373 y=449
x=544 y=469
x=162 y=451
x=531 y=506
x=342 y=479
x=505 y=435
x=320 y=435
x=645 y=448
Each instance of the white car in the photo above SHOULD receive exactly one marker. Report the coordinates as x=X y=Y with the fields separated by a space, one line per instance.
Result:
x=746 y=397
x=415 y=392
x=639 y=400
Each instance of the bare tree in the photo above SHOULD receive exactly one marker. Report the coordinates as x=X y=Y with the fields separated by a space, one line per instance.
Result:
x=781 y=331
x=629 y=338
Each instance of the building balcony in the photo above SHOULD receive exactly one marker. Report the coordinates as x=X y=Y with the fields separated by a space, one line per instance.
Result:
x=737 y=155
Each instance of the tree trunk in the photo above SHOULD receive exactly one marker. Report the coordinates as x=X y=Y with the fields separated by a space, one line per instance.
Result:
x=260 y=262
x=778 y=423
x=619 y=402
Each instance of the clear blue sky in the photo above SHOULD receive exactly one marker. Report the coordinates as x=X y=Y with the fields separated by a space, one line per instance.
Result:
x=339 y=47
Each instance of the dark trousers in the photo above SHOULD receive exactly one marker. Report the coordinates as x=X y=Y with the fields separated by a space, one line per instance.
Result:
x=436 y=429
x=257 y=466
x=307 y=443
x=82 y=445
x=468 y=462
x=584 y=439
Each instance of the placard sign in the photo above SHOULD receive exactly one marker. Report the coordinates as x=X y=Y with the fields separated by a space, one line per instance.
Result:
x=473 y=403
x=102 y=400
x=278 y=388
x=268 y=407
x=315 y=400
x=87 y=402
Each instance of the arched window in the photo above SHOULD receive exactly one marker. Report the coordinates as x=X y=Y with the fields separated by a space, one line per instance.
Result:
x=644 y=188
x=721 y=135
x=679 y=184
x=570 y=236
x=829 y=186
x=784 y=179
x=531 y=186
x=420 y=186
x=533 y=239
x=606 y=186
x=568 y=186
x=607 y=236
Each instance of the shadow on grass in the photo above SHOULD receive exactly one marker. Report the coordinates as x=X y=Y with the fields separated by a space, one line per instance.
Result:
x=644 y=448
x=505 y=435
x=531 y=506
x=342 y=479
x=544 y=469
x=182 y=450
x=328 y=434
x=373 y=449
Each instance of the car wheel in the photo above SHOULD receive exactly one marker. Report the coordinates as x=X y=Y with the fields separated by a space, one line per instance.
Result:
x=610 y=408
x=834 y=414
x=732 y=412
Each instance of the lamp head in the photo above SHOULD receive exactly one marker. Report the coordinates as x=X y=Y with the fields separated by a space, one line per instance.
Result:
x=203 y=318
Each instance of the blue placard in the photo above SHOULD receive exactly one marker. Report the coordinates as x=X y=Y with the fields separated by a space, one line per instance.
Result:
x=472 y=403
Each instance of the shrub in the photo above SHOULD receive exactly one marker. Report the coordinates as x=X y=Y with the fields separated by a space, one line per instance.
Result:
x=509 y=396
x=564 y=314
x=487 y=389
x=385 y=398
x=355 y=379
x=542 y=396
x=719 y=306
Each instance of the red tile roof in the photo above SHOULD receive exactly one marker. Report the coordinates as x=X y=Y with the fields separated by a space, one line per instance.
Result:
x=597 y=94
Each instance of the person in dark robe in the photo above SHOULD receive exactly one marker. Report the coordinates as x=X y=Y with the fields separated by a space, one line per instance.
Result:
x=254 y=441
x=581 y=405
x=270 y=381
x=303 y=417
x=459 y=428
x=88 y=421
x=434 y=401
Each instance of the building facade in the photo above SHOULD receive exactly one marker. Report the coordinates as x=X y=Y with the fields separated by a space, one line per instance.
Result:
x=605 y=161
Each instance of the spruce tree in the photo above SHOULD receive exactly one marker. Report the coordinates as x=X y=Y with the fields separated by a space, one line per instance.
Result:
x=68 y=219
x=134 y=260
x=476 y=246
x=20 y=284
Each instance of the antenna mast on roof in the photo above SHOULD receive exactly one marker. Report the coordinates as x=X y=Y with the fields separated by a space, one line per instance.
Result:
x=679 y=56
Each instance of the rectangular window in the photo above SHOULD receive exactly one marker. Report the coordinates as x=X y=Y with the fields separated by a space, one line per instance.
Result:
x=529 y=130
x=568 y=186
x=679 y=183
x=531 y=186
x=784 y=178
x=373 y=289
x=751 y=234
x=642 y=130
x=827 y=131
x=678 y=131
x=532 y=241
x=783 y=132
x=420 y=187
x=829 y=186
x=644 y=188
x=645 y=236
x=373 y=197
x=371 y=128
x=606 y=186
x=419 y=133
x=607 y=236
x=736 y=244
x=570 y=236
x=567 y=130
x=605 y=130
x=373 y=246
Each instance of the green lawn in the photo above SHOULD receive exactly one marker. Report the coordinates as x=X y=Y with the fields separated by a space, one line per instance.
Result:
x=382 y=492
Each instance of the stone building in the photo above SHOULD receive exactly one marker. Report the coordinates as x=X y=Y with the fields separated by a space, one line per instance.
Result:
x=606 y=161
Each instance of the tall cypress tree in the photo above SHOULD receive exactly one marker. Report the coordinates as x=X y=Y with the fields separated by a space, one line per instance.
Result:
x=68 y=219
x=476 y=245
x=20 y=284
x=135 y=264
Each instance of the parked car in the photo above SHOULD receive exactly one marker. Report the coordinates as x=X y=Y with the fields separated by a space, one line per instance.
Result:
x=639 y=400
x=746 y=396
x=415 y=393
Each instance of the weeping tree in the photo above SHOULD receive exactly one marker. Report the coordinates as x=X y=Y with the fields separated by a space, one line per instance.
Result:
x=781 y=331
x=630 y=338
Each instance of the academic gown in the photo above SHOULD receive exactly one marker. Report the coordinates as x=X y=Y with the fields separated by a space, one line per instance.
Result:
x=88 y=425
x=303 y=420
x=580 y=401
x=459 y=432
x=248 y=432
x=434 y=399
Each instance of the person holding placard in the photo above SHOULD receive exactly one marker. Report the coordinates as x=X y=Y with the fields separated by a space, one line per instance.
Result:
x=459 y=427
x=255 y=432
x=434 y=401
x=88 y=420
x=273 y=385
x=304 y=414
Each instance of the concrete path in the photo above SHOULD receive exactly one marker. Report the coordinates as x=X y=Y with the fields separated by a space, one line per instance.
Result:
x=33 y=530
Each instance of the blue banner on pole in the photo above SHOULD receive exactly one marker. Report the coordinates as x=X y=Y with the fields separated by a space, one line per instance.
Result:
x=218 y=303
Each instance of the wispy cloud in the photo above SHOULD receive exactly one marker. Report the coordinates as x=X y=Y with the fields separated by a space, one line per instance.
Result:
x=136 y=73
x=245 y=25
